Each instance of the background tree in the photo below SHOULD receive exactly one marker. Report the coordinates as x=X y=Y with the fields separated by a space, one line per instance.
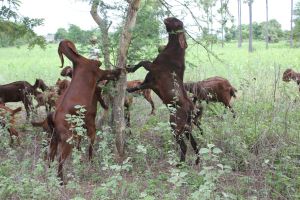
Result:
x=274 y=29
x=250 y=2
x=296 y=29
x=291 y=33
x=104 y=24
x=61 y=34
x=17 y=30
x=266 y=26
x=239 y=23
x=225 y=16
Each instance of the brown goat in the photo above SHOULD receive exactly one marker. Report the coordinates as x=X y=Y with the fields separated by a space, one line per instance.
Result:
x=20 y=91
x=214 y=89
x=7 y=121
x=146 y=93
x=67 y=71
x=47 y=98
x=62 y=85
x=289 y=75
x=165 y=78
x=81 y=91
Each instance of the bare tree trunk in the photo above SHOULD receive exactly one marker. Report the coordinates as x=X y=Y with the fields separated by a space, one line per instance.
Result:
x=267 y=24
x=104 y=118
x=239 y=24
x=222 y=21
x=291 y=35
x=118 y=103
x=250 y=26
x=104 y=26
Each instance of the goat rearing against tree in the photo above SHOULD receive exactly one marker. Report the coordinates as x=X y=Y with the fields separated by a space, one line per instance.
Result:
x=165 y=78
x=81 y=91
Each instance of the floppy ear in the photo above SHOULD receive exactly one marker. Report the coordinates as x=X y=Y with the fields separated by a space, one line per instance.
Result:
x=67 y=48
x=182 y=41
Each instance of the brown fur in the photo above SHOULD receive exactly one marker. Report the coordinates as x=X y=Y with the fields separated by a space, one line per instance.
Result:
x=165 y=78
x=289 y=75
x=214 y=89
x=4 y=111
x=81 y=91
x=19 y=91
x=146 y=93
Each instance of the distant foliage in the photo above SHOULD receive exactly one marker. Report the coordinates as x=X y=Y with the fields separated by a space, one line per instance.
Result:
x=296 y=32
x=275 y=31
x=18 y=30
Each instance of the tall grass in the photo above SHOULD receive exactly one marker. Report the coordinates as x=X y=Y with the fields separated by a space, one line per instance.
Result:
x=262 y=144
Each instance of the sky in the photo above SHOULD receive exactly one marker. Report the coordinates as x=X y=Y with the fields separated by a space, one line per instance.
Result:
x=62 y=13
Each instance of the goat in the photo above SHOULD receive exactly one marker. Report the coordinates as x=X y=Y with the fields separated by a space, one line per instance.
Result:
x=7 y=121
x=47 y=98
x=165 y=78
x=214 y=89
x=146 y=93
x=289 y=75
x=20 y=91
x=81 y=91
x=67 y=71
x=62 y=85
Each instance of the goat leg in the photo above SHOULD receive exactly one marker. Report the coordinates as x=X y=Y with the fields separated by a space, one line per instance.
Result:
x=142 y=86
x=145 y=63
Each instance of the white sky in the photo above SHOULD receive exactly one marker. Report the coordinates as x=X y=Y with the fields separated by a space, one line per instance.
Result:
x=61 y=13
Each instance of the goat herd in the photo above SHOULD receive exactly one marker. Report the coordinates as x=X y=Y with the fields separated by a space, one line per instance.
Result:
x=164 y=77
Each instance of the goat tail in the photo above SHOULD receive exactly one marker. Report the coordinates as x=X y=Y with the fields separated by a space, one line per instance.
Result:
x=233 y=91
x=16 y=110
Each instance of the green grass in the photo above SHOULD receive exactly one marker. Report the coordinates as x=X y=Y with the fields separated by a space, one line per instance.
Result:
x=261 y=145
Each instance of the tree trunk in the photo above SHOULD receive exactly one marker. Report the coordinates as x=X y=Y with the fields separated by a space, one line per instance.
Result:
x=239 y=24
x=250 y=26
x=103 y=25
x=105 y=117
x=267 y=25
x=222 y=21
x=291 y=34
x=118 y=103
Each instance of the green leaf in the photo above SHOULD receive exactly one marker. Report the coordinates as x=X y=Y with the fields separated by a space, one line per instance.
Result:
x=204 y=151
x=217 y=150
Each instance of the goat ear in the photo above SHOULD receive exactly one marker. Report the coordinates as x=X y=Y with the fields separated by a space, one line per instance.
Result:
x=67 y=48
x=182 y=41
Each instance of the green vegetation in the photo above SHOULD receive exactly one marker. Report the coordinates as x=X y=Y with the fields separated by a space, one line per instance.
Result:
x=253 y=156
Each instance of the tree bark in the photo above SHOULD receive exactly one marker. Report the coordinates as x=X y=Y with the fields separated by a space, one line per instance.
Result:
x=250 y=26
x=267 y=25
x=222 y=21
x=118 y=108
x=291 y=34
x=104 y=26
x=105 y=117
x=239 y=24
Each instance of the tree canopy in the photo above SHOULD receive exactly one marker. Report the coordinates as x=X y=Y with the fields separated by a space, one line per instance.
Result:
x=16 y=29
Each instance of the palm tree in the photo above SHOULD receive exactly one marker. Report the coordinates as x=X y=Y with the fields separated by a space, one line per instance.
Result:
x=250 y=25
x=291 y=34
x=239 y=24
x=267 y=24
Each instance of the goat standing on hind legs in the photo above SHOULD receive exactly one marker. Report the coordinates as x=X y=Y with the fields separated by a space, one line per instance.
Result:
x=165 y=78
x=81 y=91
